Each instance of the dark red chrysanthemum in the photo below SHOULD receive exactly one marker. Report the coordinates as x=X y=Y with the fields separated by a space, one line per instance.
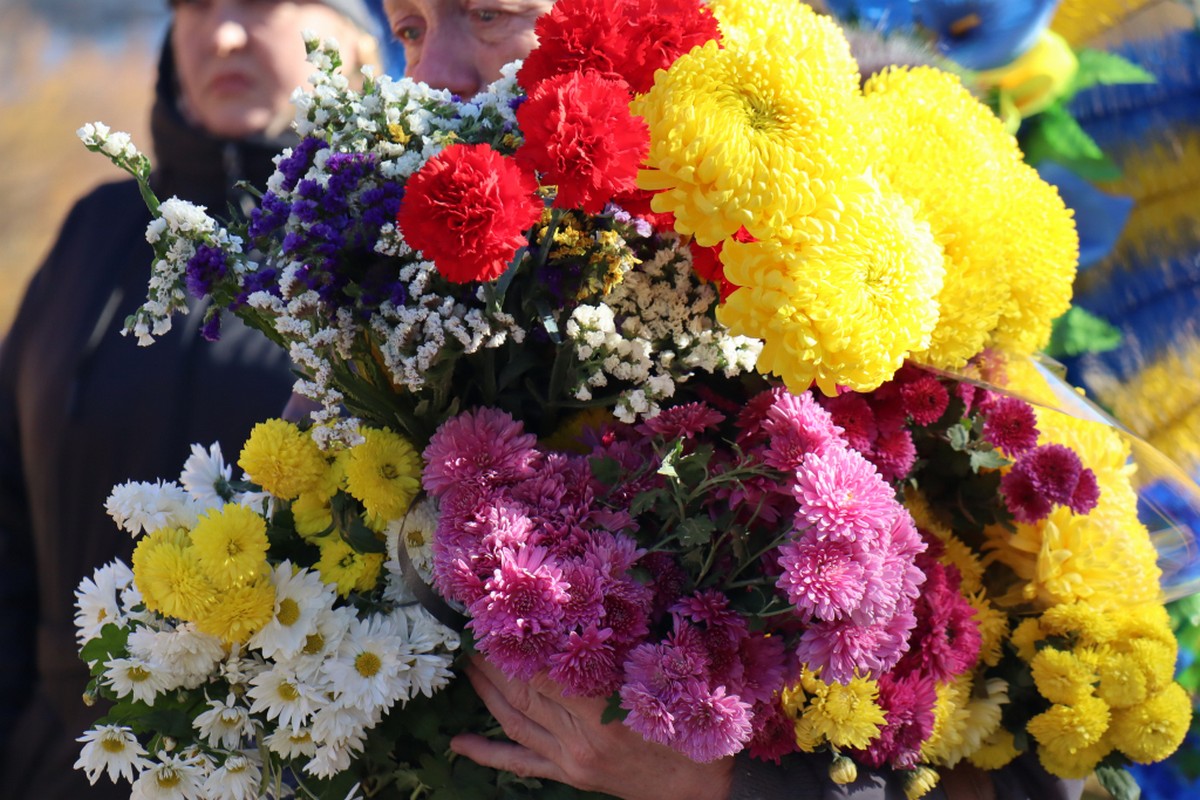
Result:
x=626 y=39
x=467 y=210
x=852 y=413
x=1054 y=470
x=1010 y=425
x=1086 y=494
x=925 y=400
x=581 y=137
x=1022 y=498
x=894 y=454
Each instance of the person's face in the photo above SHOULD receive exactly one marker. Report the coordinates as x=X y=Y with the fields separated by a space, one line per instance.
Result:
x=461 y=45
x=240 y=60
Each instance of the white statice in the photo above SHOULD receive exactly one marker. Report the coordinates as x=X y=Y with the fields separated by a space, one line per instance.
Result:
x=414 y=532
x=653 y=330
x=237 y=778
x=185 y=656
x=139 y=677
x=113 y=749
x=174 y=777
x=300 y=597
x=224 y=723
x=284 y=696
x=290 y=744
x=139 y=506
x=98 y=600
x=368 y=669
x=204 y=474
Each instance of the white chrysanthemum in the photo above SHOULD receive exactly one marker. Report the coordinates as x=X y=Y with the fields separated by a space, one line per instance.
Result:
x=204 y=473
x=300 y=597
x=415 y=530
x=427 y=650
x=112 y=749
x=329 y=760
x=97 y=600
x=143 y=679
x=174 y=778
x=138 y=506
x=240 y=667
x=285 y=696
x=341 y=721
x=368 y=668
x=290 y=744
x=224 y=723
x=236 y=779
x=188 y=655
x=322 y=644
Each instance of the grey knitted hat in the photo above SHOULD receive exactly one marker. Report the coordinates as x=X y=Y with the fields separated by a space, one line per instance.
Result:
x=358 y=12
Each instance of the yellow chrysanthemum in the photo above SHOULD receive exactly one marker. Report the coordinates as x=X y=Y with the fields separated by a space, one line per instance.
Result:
x=998 y=750
x=346 y=568
x=993 y=627
x=845 y=310
x=231 y=545
x=1155 y=659
x=1026 y=636
x=847 y=715
x=933 y=140
x=920 y=781
x=282 y=459
x=237 y=613
x=1122 y=681
x=754 y=136
x=1061 y=677
x=984 y=714
x=1071 y=728
x=1079 y=621
x=312 y=515
x=1144 y=621
x=949 y=718
x=808 y=737
x=956 y=553
x=1074 y=764
x=384 y=473
x=166 y=572
x=1151 y=731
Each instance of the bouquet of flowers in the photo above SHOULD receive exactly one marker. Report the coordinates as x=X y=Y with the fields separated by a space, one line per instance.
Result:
x=667 y=312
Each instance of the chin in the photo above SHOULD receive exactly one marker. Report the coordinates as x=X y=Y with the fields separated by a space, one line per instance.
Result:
x=241 y=124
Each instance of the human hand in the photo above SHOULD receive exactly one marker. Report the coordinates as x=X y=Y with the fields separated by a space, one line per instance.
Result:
x=562 y=739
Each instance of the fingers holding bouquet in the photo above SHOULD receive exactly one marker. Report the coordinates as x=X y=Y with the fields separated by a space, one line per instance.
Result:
x=562 y=738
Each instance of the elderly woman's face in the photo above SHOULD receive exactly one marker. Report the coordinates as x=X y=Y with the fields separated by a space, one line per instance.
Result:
x=461 y=45
x=240 y=60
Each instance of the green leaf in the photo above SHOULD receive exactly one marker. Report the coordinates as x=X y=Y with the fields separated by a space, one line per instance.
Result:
x=362 y=538
x=1055 y=135
x=1099 y=68
x=645 y=501
x=110 y=644
x=987 y=459
x=693 y=469
x=669 y=461
x=960 y=436
x=695 y=531
x=606 y=470
x=612 y=710
x=1118 y=782
x=1079 y=331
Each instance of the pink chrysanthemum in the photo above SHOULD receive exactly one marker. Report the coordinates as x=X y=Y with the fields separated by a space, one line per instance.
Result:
x=844 y=649
x=585 y=598
x=968 y=393
x=774 y=734
x=1086 y=494
x=587 y=664
x=842 y=496
x=1010 y=425
x=482 y=446
x=908 y=705
x=797 y=427
x=518 y=621
x=683 y=422
x=894 y=454
x=925 y=400
x=625 y=610
x=709 y=608
x=710 y=725
x=764 y=661
x=648 y=713
x=852 y=413
x=667 y=580
x=822 y=578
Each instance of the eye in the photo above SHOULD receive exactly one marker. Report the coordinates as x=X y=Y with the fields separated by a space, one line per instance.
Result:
x=408 y=31
x=486 y=15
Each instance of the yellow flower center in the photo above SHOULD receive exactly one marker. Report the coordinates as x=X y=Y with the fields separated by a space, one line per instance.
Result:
x=289 y=611
x=304 y=737
x=389 y=471
x=415 y=539
x=103 y=615
x=760 y=114
x=113 y=743
x=137 y=674
x=314 y=644
x=233 y=548
x=167 y=778
x=367 y=664
x=288 y=691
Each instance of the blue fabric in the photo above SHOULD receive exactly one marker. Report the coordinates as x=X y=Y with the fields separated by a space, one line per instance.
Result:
x=1099 y=217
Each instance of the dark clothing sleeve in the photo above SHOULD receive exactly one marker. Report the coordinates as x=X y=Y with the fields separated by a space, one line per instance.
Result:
x=806 y=777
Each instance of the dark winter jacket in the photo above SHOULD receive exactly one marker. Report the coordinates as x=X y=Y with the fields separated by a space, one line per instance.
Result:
x=83 y=408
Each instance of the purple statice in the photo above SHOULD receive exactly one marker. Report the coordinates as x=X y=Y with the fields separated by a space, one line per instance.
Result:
x=261 y=280
x=518 y=620
x=211 y=327
x=686 y=421
x=845 y=649
x=293 y=165
x=483 y=446
x=207 y=267
x=842 y=496
x=271 y=215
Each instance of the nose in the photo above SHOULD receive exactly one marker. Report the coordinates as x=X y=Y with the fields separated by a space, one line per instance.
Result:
x=230 y=34
x=448 y=60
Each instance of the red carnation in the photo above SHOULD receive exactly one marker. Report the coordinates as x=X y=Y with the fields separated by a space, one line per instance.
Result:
x=580 y=136
x=706 y=262
x=626 y=39
x=925 y=400
x=467 y=210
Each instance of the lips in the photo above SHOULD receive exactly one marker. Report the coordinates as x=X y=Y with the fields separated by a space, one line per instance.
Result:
x=229 y=83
